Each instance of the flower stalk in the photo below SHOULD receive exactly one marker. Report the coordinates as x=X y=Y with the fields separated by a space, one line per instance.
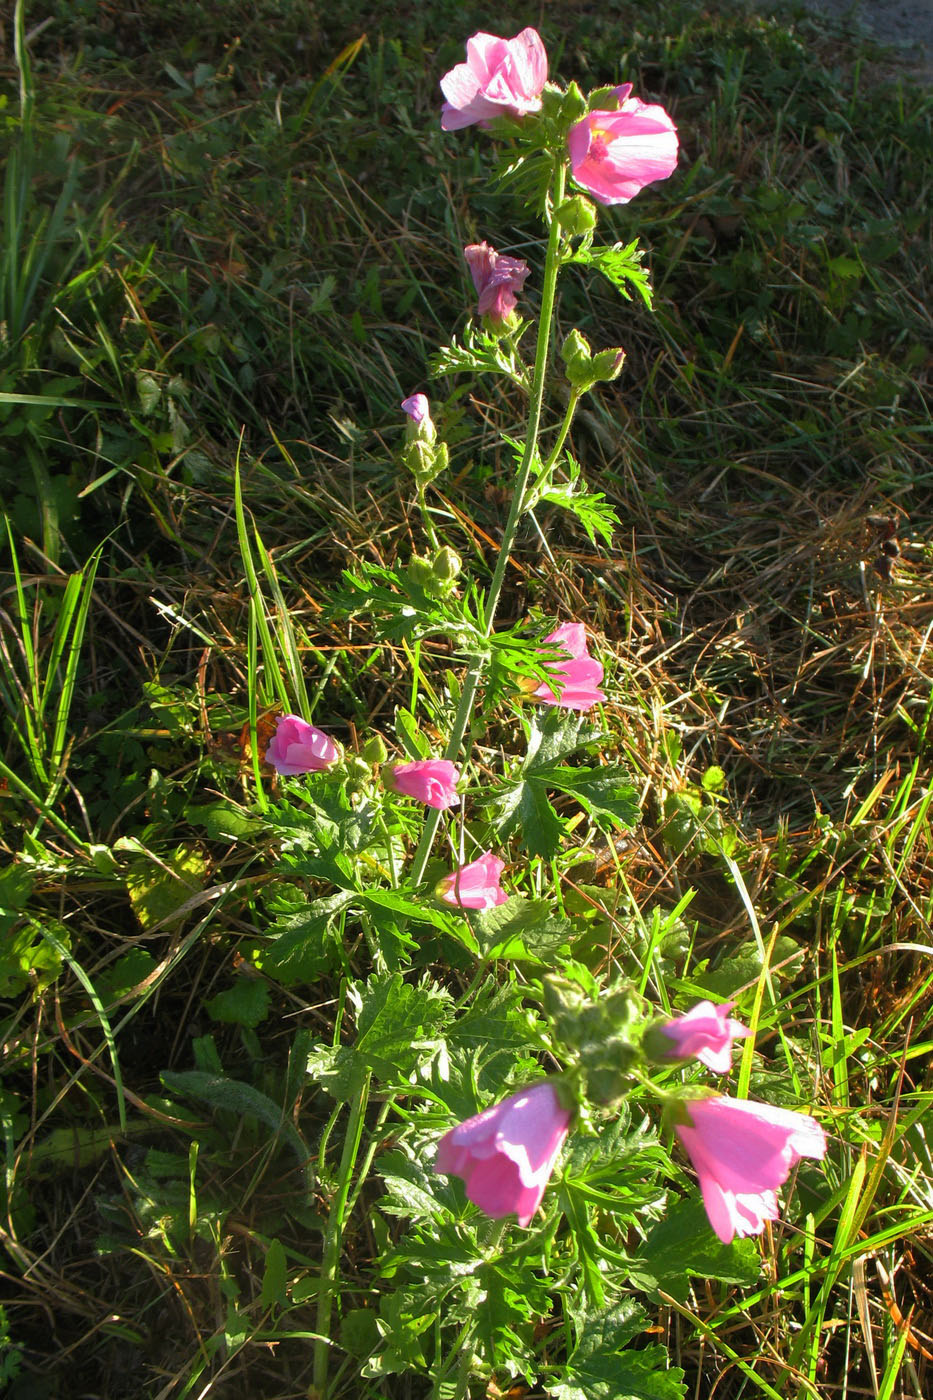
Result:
x=333 y=1235
x=474 y=675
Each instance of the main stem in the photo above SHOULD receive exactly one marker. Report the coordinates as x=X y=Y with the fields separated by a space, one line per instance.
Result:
x=478 y=664
x=333 y=1236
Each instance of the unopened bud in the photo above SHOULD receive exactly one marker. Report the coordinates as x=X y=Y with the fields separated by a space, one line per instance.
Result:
x=577 y=216
x=420 y=571
x=374 y=750
x=573 y=106
x=447 y=565
x=607 y=364
x=358 y=771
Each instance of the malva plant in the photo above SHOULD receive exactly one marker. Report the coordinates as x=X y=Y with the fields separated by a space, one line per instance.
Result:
x=608 y=1046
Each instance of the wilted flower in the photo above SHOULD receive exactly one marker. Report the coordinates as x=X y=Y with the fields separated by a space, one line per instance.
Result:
x=474 y=886
x=614 y=154
x=497 y=278
x=579 y=676
x=432 y=781
x=507 y=1154
x=299 y=747
x=501 y=77
x=742 y=1152
x=703 y=1033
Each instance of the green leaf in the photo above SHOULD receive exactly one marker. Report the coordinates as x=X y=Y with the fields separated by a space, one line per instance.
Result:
x=396 y=902
x=591 y=508
x=605 y=792
x=481 y=353
x=127 y=972
x=222 y=821
x=520 y=930
x=415 y=744
x=743 y=968
x=555 y=736
x=273 y=1278
x=600 y=1367
x=359 y=1334
x=338 y=1069
x=246 y=1003
x=159 y=890
x=396 y=1022
x=524 y=806
x=621 y=264
x=305 y=947
x=233 y=1096
x=683 y=1244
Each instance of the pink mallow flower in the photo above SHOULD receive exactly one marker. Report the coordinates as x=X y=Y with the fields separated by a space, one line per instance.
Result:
x=613 y=155
x=299 y=747
x=579 y=676
x=497 y=279
x=742 y=1152
x=704 y=1033
x=501 y=77
x=507 y=1154
x=474 y=886
x=432 y=781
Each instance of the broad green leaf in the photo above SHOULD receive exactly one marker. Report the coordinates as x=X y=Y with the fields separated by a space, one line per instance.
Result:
x=304 y=947
x=682 y=1245
x=233 y=1096
x=159 y=890
x=127 y=972
x=246 y=1003
x=743 y=967
x=601 y=792
x=396 y=1022
x=222 y=821
x=555 y=736
x=525 y=809
x=600 y=1367
x=520 y=930
x=337 y=1068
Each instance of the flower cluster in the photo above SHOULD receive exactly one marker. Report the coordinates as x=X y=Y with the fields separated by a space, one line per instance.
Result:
x=614 y=151
x=742 y=1151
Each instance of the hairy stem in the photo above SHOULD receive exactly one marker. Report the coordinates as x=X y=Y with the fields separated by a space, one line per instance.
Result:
x=475 y=673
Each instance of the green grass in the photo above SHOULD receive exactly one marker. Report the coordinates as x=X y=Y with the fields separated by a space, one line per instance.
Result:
x=207 y=340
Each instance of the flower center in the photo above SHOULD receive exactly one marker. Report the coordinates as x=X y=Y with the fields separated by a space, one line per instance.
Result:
x=598 y=142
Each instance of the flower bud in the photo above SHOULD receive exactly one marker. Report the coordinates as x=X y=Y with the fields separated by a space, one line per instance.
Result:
x=420 y=571
x=447 y=565
x=576 y=355
x=358 y=770
x=577 y=216
x=573 y=105
x=374 y=750
x=607 y=364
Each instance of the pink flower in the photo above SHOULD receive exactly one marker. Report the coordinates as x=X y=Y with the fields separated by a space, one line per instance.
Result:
x=579 y=676
x=501 y=77
x=506 y=1154
x=474 y=886
x=615 y=154
x=704 y=1033
x=417 y=408
x=432 y=781
x=496 y=278
x=299 y=747
x=742 y=1152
